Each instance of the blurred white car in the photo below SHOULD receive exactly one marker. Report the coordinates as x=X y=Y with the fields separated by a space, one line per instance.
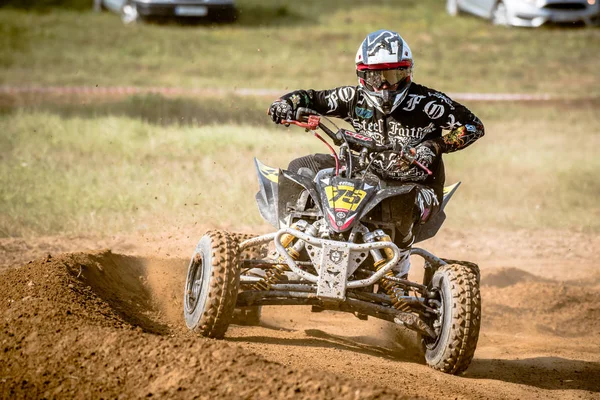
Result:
x=134 y=10
x=529 y=13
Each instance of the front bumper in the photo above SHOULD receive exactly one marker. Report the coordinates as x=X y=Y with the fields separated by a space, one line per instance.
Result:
x=185 y=9
x=556 y=11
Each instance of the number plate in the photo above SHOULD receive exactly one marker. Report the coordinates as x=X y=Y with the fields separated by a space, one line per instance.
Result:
x=191 y=11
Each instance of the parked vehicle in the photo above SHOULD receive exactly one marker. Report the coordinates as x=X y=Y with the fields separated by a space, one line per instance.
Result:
x=529 y=13
x=135 y=10
x=334 y=250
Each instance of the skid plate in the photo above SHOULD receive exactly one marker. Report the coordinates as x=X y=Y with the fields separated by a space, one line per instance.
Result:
x=335 y=260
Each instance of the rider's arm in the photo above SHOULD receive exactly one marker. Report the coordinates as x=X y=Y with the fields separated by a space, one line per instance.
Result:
x=464 y=126
x=333 y=102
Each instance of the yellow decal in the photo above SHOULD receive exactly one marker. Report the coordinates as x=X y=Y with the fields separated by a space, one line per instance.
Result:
x=268 y=172
x=344 y=197
x=455 y=137
x=448 y=189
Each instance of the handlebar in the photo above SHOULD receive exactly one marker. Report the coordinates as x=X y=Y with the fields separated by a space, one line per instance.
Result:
x=302 y=111
x=311 y=120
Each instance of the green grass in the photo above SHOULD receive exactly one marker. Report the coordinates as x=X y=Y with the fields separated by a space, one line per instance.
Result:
x=535 y=168
x=109 y=164
x=66 y=172
x=74 y=174
x=152 y=108
x=282 y=45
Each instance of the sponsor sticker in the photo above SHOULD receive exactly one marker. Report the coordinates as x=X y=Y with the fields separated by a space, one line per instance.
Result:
x=363 y=112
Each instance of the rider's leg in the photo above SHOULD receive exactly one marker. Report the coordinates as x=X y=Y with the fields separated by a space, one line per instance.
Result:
x=426 y=204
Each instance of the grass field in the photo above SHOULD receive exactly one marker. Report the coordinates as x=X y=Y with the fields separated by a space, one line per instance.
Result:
x=74 y=172
x=72 y=165
x=281 y=44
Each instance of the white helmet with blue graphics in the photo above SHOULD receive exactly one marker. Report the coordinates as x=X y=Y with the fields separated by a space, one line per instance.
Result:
x=384 y=67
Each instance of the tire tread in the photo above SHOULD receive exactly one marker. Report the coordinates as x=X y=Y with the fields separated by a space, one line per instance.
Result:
x=251 y=253
x=223 y=288
x=464 y=331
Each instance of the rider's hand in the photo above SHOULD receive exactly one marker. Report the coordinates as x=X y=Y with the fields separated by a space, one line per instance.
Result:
x=281 y=110
x=427 y=152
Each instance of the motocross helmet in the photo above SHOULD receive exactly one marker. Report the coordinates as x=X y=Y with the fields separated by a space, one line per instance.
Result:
x=384 y=68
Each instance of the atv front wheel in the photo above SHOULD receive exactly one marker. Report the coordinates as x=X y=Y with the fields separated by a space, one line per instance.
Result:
x=212 y=285
x=248 y=316
x=458 y=322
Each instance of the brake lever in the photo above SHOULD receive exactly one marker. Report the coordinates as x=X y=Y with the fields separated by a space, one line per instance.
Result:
x=411 y=156
x=312 y=123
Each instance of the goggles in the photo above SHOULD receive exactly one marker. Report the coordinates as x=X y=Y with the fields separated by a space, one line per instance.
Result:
x=376 y=78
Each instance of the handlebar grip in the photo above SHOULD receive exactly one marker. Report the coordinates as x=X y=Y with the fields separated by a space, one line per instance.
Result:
x=301 y=111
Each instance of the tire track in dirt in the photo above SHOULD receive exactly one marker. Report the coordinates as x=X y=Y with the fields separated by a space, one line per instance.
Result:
x=532 y=344
x=91 y=325
x=107 y=324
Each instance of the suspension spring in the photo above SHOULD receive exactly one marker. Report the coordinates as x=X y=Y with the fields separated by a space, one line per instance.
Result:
x=391 y=288
x=395 y=292
x=274 y=275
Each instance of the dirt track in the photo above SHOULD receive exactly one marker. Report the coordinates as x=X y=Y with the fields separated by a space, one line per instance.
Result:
x=107 y=324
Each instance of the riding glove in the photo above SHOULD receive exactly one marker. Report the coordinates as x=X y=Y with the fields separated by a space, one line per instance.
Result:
x=427 y=152
x=281 y=110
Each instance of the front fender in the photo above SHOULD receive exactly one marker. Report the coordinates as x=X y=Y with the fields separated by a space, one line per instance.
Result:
x=385 y=193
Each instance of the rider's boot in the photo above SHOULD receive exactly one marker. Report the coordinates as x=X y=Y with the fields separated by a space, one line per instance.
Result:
x=405 y=242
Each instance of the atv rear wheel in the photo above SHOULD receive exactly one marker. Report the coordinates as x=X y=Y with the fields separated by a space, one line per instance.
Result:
x=459 y=320
x=212 y=285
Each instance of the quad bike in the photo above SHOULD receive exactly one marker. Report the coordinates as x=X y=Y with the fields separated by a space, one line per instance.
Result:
x=335 y=248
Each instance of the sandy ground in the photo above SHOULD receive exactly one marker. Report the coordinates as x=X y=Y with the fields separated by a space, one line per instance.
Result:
x=107 y=323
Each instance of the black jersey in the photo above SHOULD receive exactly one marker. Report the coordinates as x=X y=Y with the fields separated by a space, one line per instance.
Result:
x=422 y=115
x=420 y=118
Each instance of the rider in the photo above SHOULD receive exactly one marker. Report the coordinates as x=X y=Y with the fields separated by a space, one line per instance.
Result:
x=390 y=108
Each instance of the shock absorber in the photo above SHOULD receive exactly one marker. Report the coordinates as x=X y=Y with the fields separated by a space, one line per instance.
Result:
x=274 y=274
x=392 y=289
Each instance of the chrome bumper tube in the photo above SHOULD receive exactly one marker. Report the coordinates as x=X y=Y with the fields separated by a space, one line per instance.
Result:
x=350 y=246
x=427 y=256
x=364 y=247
